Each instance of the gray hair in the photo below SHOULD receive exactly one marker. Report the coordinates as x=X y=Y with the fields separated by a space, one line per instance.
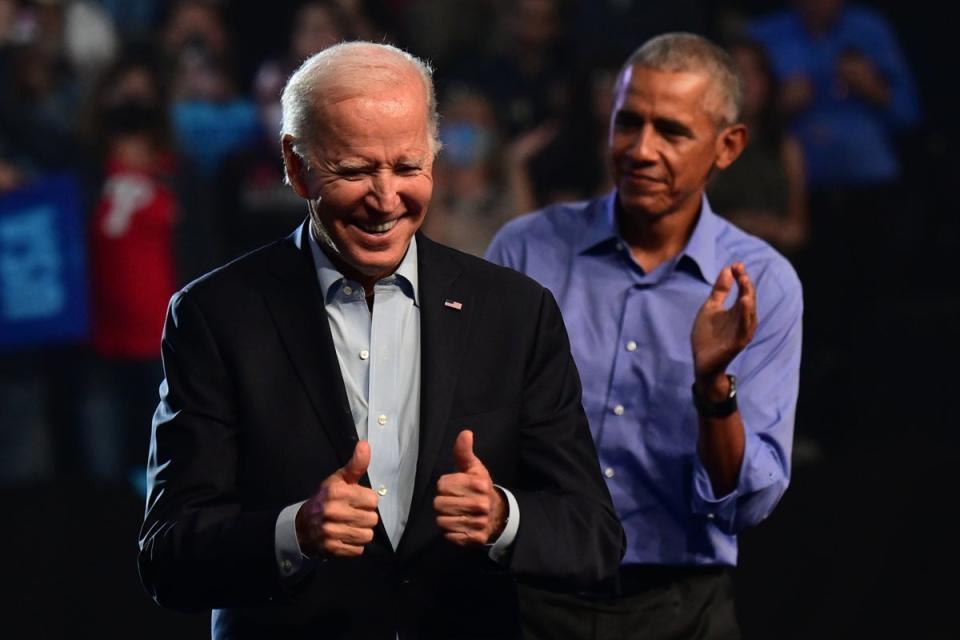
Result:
x=353 y=67
x=689 y=52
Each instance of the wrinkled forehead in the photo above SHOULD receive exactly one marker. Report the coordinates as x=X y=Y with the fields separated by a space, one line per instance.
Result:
x=384 y=85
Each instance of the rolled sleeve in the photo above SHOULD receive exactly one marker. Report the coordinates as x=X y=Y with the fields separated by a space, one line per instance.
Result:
x=768 y=385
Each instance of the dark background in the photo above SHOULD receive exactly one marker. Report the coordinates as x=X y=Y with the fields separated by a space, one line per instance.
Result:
x=862 y=544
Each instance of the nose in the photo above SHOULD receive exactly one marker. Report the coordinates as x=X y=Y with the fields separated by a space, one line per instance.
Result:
x=642 y=149
x=384 y=195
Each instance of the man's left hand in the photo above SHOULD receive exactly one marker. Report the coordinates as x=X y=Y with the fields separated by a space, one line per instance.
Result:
x=720 y=334
x=860 y=76
x=470 y=510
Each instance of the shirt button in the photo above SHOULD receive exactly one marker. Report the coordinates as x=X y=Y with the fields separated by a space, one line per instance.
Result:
x=609 y=472
x=631 y=346
x=364 y=354
x=382 y=490
x=287 y=566
x=382 y=420
x=348 y=290
x=710 y=516
x=618 y=410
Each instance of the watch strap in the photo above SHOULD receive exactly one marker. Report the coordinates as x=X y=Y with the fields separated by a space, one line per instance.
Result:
x=720 y=409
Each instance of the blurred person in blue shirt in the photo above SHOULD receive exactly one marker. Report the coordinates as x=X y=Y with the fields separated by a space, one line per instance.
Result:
x=690 y=387
x=848 y=95
x=211 y=119
x=846 y=89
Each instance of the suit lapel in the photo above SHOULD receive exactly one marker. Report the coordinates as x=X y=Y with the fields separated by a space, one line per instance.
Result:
x=296 y=305
x=443 y=335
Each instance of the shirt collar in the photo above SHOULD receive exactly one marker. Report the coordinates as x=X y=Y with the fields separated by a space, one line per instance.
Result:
x=408 y=274
x=601 y=224
x=702 y=246
x=701 y=249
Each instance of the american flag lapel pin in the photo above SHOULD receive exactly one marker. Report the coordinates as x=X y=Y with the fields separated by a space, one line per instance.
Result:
x=453 y=304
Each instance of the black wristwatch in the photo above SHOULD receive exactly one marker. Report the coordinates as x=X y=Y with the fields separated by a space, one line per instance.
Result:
x=720 y=409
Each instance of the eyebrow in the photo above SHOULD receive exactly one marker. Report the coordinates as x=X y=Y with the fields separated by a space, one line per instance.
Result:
x=633 y=118
x=351 y=164
x=673 y=126
x=355 y=164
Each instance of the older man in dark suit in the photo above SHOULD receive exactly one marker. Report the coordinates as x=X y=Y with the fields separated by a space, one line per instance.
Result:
x=364 y=434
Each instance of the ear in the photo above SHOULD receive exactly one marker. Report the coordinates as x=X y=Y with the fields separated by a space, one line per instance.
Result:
x=295 y=167
x=730 y=144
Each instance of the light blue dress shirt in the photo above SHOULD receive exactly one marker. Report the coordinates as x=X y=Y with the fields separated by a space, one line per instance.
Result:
x=379 y=356
x=630 y=335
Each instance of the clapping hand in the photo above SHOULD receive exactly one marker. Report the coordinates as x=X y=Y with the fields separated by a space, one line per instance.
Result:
x=720 y=334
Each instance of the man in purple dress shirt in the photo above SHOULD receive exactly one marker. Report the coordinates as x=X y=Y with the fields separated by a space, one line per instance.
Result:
x=689 y=365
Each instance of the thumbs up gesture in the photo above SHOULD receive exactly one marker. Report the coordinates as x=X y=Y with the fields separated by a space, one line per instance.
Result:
x=470 y=510
x=339 y=518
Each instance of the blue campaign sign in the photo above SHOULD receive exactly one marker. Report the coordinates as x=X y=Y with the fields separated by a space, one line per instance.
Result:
x=44 y=290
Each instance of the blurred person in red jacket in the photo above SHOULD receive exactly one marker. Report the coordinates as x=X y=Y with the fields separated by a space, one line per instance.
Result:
x=132 y=256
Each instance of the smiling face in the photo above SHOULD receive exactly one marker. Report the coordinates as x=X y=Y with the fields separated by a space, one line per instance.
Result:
x=369 y=175
x=665 y=141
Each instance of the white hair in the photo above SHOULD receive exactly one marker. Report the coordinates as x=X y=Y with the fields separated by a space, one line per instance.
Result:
x=692 y=53
x=351 y=67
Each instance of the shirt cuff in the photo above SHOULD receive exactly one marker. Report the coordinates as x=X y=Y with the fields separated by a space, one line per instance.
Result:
x=290 y=559
x=498 y=549
x=722 y=509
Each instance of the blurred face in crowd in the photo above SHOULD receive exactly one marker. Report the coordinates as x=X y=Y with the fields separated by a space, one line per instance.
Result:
x=136 y=83
x=536 y=23
x=468 y=132
x=194 y=23
x=665 y=140
x=131 y=104
x=369 y=175
x=819 y=15
x=756 y=81
x=314 y=29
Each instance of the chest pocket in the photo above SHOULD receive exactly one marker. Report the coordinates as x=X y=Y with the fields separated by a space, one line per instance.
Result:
x=672 y=420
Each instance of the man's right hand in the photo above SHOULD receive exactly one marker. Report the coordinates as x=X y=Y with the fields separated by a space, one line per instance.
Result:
x=338 y=520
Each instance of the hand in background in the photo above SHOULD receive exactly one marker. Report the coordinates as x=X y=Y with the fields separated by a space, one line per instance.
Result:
x=339 y=519
x=796 y=94
x=858 y=74
x=470 y=510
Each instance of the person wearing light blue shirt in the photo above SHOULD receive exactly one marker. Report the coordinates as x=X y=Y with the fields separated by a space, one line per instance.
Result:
x=379 y=355
x=362 y=433
x=690 y=388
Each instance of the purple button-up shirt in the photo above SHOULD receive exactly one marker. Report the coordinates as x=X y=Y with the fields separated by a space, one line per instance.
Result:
x=630 y=334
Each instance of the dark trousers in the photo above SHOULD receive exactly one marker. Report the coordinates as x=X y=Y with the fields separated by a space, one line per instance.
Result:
x=120 y=398
x=654 y=603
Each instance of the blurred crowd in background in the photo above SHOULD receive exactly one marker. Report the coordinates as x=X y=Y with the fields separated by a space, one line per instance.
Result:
x=139 y=149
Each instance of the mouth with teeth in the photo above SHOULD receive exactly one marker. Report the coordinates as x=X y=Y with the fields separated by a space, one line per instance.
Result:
x=376 y=228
